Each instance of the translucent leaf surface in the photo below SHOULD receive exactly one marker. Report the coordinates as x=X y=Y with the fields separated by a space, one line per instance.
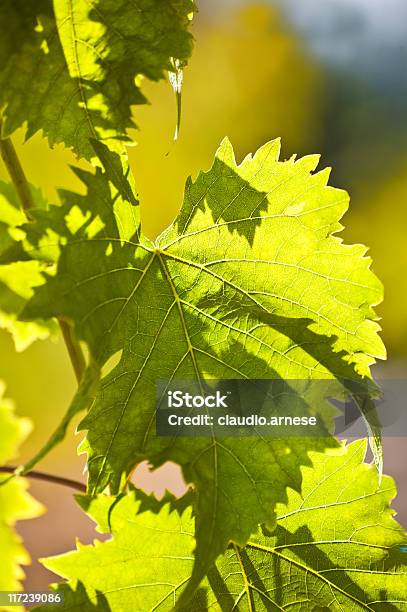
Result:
x=335 y=547
x=249 y=282
x=73 y=69
x=19 y=273
x=15 y=503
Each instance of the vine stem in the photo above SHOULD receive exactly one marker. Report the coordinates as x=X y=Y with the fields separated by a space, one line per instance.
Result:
x=66 y=482
x=74 y=349
x=16 y=172
x=17 y=175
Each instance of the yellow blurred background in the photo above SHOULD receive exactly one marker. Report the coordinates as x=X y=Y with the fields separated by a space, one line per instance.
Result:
x=254 y=76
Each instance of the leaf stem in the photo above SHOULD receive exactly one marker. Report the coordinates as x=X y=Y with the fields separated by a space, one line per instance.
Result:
x=74 y=349
x=66 y=482
x=16 y=173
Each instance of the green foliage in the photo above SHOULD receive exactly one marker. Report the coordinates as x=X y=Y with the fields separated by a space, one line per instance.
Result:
x=130 y=578
x=335 y=547
x=19 y=273
x=249 y=282
x=317 y=558
x=15 y=503
x=252 y=61
x=69 y=69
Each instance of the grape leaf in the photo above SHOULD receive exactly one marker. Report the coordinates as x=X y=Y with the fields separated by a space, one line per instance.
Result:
x=69 y=69
x=15 y=503
x=143 y=566
x=249 y=282
x=18 y=273
x=35 y=86
x=335 y=548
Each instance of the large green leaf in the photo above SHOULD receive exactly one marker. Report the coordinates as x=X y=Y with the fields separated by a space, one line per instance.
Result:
x=15 y=503
x=19 y=274
x=70 y=69
x=248 y=283
x=335 y=547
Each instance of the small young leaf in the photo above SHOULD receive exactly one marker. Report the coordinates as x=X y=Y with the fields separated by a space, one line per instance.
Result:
x=144 y=566
x=18 y=273
x=15 y=503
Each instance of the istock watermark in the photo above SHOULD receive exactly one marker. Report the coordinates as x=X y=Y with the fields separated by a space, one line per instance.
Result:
x=179 y=399
x=280 y=408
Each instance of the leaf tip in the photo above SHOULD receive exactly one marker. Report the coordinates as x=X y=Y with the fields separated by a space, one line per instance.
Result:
x=225 y=152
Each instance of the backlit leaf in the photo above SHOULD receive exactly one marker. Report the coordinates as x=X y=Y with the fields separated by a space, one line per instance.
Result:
x=15 y=503
x=249 y=282
x=19 y=274
x=73 y=69
x=336 y=547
